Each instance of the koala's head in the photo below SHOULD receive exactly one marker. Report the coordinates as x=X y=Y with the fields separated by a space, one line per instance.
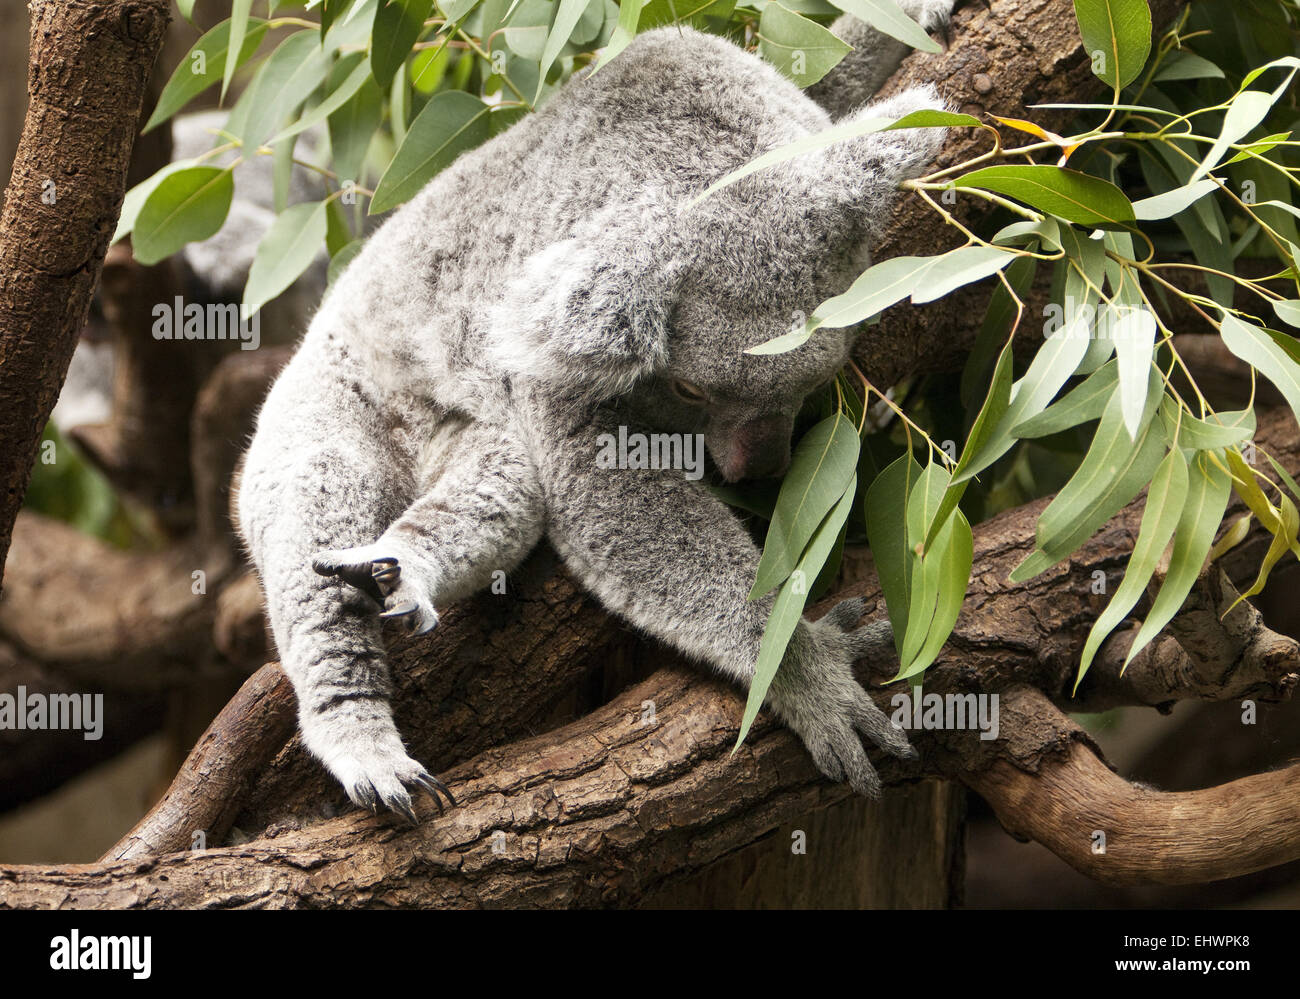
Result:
x=659 y=300
x=744 y=404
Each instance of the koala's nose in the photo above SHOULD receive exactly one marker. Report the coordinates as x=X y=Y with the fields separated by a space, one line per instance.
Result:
x=759 y=448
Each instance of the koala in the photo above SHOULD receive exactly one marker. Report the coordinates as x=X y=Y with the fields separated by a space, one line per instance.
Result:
x=445 y=408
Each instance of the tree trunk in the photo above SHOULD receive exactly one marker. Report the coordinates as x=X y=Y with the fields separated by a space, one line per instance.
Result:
x=90 y=64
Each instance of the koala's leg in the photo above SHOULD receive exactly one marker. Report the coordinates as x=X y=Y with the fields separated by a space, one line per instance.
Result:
x=324 y=471
x=857 y=77
x=480 y=513
x=664 y=554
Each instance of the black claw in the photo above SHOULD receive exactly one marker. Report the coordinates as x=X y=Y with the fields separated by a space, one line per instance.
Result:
x=366 y=795
x=400 y=610
x=386 y=573
x=403 y=807
x=354 y=574
x=434 y=787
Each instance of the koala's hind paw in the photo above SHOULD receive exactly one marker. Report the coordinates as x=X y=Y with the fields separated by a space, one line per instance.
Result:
x=381 y=774
x=817 y=694
x=379 y=574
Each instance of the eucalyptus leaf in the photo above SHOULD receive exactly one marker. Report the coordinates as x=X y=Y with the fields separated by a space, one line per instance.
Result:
x=824 y=460
x=188 y=205
x=1164 y=508
x=1071 y=195
x=290 y=245
x=787 y=609
x=450 y=123
x=801 y=49
x=1116 y=37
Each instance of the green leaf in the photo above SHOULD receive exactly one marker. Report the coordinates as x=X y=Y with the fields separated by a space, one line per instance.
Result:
x=1186 y=65
x=397 y=27
x=284 y=81
x=1164 y=508
x=1068 y=194
x=939 y=577
x=208 y=54
x=358 y=74
x=1112 y=472
x=567 y=16
x=886 y=515
x=186 y=9
x=1219 y=431
x=696 y=13
x=1207 y=498
x=799 y=147
x=1116 y=37
x=960 y=267
x=824 y=461
x=986 y=423
x=239 y=11
x=888 y=18
x=138 y=195
x=187 y=206
x=950 y=561
x=1247 y=110
x=629 y=16
x=801 y=49
x=1275 y=356
x=1134 y=333
x=931 y=118
x=1055 y=362
x=889 y=282
x=1162 y=206
x=1085 y=402
x=288 y=248
x=788 y=607
x=352 y=128
x=998 y=318
x=452 y=122
x=1255 y=149
x=1288 y=311
x=923 y=503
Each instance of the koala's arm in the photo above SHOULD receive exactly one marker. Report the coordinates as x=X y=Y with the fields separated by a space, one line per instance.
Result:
x=342 y=517
x=857 y=77
x=479 y=514
x=662 y=553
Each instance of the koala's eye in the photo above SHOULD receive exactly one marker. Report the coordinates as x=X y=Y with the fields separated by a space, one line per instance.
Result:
x=687 y=392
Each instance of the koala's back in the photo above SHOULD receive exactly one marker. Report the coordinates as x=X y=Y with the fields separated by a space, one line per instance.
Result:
x=673 y=112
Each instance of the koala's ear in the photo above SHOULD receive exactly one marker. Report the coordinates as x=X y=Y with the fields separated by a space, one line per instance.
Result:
x=590 y=313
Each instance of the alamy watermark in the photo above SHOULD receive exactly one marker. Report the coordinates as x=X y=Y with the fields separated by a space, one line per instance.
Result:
x=677 y=451
x=178 y=320
x=36 y=712
x=950 y=712
x=102 y=953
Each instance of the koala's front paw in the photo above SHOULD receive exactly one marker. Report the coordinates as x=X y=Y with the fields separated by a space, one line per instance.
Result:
x=377 y=570
x=817 y=695
x=373 y=767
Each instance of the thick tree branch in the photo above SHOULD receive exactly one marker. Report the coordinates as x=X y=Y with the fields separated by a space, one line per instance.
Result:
x=90 y=63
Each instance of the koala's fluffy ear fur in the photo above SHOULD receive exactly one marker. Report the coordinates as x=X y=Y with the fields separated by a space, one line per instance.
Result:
x=590 y=313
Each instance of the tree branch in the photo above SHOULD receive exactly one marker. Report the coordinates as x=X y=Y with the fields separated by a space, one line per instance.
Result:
x=90 y=63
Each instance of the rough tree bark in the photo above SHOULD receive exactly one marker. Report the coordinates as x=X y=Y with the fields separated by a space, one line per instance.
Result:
x=90 y=63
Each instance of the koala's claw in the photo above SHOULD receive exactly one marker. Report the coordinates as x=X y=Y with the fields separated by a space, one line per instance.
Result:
x=434 y=787
x=380 y=576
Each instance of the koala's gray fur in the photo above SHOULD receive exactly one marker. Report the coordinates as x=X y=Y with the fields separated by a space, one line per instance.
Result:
x=444 y=409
